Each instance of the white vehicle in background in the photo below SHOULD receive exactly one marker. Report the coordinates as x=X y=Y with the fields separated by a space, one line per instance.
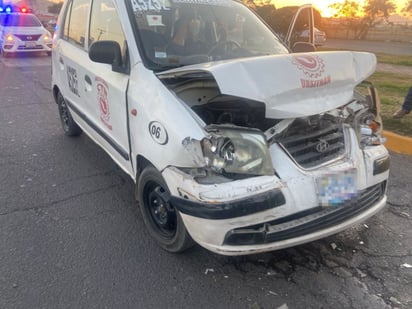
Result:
x=320 y=36
x=234 y=140
x=23 y=33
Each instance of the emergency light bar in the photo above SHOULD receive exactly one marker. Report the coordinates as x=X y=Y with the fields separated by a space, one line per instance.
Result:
x=9 y=9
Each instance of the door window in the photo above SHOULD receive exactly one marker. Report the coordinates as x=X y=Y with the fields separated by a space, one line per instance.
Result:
x=105 y=24
x=76 y=22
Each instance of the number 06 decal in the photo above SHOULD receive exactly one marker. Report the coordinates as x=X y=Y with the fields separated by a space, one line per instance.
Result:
x=158 y=132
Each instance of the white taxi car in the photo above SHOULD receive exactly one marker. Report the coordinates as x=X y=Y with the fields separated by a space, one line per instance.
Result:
x=234 y=140
x=22 y=33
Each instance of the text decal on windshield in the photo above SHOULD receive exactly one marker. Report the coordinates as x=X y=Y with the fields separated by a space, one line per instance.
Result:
x=150 y=5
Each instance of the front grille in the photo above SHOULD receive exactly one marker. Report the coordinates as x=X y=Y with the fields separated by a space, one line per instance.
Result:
x=313 y=148
x=305 y=222
x=28 y=37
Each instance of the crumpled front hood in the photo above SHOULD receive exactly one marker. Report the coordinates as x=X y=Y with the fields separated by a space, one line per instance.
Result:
x=291 y=85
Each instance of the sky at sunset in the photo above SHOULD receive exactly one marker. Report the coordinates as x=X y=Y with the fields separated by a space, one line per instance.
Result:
x=322 y=5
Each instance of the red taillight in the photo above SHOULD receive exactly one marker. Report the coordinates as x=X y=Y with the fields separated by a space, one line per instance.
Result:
x=23 y=10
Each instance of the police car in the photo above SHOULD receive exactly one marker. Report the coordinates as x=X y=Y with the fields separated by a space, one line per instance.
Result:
x=22 y=32
x=236 y=140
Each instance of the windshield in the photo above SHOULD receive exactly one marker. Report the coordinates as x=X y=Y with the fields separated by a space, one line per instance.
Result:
x=23 y=20
x=181 y=32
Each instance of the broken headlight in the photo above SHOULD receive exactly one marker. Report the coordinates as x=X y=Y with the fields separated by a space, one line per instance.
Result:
x=235 y=150
x=370 y=131
x=367 y=120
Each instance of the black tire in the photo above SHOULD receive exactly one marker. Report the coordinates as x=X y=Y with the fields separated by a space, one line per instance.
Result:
x=70 y=128
x=162 y=220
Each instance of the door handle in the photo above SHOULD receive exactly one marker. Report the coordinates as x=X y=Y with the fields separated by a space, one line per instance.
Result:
x=88 y=84
x=61 y=63
x=88 y=80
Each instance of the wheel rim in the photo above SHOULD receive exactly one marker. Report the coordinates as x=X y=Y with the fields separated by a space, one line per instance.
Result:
x=64 y=115
x=161 y=211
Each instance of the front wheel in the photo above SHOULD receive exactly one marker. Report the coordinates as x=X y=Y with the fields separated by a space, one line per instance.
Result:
x=162 y=220
x=70 y=128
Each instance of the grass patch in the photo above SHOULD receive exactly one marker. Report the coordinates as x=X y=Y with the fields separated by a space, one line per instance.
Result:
x=395 y=60
x=392 y=89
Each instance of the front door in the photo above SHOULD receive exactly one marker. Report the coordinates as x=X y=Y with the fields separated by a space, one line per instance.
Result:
x=105 y=89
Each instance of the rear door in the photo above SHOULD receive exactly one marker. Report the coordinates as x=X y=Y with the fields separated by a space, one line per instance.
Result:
x=95 y=94
x=71 y=56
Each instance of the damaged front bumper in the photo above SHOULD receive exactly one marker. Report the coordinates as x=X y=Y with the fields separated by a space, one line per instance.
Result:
x=266 y=213
x=270 y=235
x=230 y=209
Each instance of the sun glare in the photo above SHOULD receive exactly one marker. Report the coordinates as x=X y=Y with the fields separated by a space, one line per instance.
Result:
x=323 y=5
x=323 y=9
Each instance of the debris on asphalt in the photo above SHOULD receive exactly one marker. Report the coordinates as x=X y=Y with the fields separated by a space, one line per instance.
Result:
x=406 y=265
x=255 y=306
x=284 y=306
x=209 y=270
x=334 y=246
x=361 y=273
x=395 y=300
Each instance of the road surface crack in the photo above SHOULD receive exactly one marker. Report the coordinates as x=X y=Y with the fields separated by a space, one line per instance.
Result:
x=54 y=203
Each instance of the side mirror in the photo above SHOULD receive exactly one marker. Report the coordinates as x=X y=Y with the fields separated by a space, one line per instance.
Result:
x=303 y=47
x=107 y=52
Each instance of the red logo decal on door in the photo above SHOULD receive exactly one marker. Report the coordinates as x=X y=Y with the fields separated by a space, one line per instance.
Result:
x=103 y=98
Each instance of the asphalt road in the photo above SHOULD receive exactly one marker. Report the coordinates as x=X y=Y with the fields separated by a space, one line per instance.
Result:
x=71 y=235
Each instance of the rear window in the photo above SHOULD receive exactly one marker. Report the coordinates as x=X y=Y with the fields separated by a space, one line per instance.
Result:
x=11 y=20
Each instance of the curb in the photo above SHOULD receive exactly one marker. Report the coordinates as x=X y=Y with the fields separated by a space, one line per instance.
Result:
x=398 y=143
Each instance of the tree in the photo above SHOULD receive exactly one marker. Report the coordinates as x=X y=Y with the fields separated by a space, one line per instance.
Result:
x=266 y=12
x=375 y=11
x=408 y=7
x=351 y=10
x=378 y=9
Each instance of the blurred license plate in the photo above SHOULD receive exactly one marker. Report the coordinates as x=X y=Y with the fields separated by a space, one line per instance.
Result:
x=30 y=44
x=337 y=189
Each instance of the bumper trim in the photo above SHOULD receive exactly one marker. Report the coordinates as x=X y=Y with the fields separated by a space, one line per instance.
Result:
x=306 y=222
x=232 y=209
